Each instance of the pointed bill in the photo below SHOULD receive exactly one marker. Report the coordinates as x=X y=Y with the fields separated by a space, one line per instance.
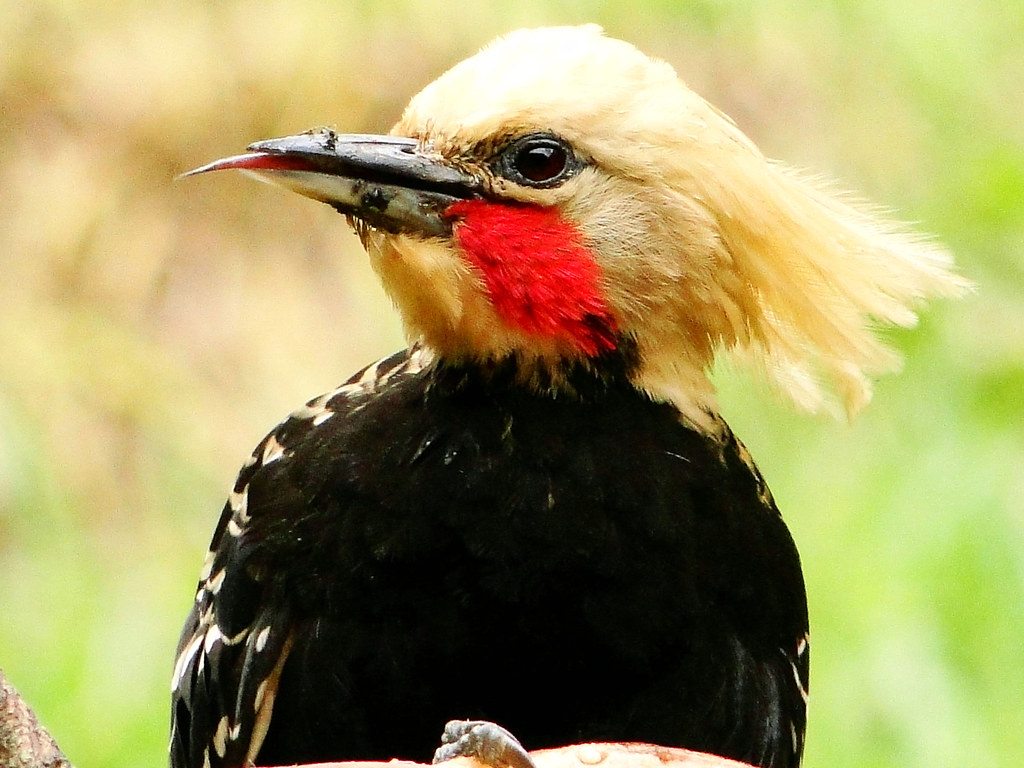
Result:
x=388 y=182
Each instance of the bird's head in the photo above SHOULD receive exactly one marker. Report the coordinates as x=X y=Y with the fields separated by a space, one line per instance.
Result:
x=561 y=197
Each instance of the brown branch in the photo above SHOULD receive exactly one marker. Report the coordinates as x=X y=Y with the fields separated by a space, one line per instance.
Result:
x=579 y=756
x=24 y=743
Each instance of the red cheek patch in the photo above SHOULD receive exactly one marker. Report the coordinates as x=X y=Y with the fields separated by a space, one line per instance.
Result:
x=540 y=275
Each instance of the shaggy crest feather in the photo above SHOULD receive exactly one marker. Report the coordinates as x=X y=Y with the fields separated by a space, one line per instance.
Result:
x=706 y=245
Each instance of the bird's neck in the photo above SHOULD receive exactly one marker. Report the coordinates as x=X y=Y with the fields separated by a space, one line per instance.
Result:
x=576 y=378
x=620 y=371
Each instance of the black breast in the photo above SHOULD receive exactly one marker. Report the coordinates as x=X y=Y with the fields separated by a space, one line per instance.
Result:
x=574 y=567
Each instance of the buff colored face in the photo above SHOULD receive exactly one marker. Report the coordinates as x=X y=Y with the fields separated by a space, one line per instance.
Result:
x=560 y=194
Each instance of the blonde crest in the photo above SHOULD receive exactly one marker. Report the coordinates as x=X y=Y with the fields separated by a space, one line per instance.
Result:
x=708 y=247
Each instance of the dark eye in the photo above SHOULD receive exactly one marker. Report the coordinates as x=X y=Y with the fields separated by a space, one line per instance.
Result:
x=538 y=160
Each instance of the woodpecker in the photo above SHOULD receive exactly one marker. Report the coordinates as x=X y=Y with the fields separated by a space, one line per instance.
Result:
x=535 y=514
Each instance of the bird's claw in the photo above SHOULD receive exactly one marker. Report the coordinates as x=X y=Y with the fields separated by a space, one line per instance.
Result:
x=487 y=742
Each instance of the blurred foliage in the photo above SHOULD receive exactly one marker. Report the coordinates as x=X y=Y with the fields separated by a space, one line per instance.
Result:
x=152 y=331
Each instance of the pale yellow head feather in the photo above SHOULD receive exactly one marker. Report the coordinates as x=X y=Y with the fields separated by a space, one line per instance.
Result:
x=706 y=245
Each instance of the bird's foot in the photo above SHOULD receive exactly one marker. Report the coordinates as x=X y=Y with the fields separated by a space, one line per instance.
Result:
x=487 y=742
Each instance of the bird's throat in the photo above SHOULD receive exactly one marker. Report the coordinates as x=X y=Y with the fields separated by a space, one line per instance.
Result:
x=540 y=275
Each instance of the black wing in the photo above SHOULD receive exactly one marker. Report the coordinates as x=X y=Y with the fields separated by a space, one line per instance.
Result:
x=239 y=632
x=774 y=690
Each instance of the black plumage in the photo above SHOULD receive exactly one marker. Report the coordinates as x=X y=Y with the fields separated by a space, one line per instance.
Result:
x=436 y=541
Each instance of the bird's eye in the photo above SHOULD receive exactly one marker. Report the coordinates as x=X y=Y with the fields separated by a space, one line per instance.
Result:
x=538 y=160
x=541 y=162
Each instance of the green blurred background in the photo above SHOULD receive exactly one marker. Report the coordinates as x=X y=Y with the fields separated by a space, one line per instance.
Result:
x=151 y=331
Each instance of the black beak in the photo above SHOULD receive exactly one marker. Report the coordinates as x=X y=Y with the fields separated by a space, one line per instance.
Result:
x=385 y=181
